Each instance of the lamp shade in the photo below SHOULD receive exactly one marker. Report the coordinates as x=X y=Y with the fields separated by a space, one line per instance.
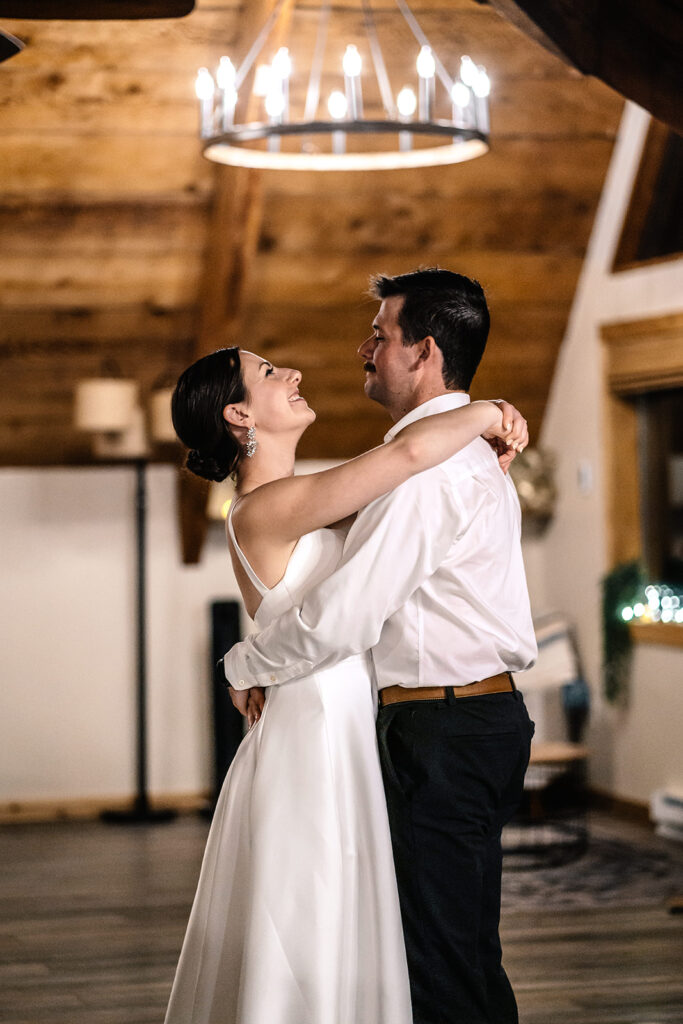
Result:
x=161 y=424
x=105 y=404
x=130 y=443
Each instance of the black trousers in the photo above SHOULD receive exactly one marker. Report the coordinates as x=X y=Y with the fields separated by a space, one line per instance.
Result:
x=453 y=774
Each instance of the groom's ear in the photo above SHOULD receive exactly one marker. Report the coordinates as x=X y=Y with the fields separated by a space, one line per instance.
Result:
x=425 y=349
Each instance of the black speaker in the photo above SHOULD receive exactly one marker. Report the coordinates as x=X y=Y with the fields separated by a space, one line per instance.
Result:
x=228 y=724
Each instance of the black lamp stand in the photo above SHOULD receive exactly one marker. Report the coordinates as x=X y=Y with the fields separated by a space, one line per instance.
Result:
x=140 y=812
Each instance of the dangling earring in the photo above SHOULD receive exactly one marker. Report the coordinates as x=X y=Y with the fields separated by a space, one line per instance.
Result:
x=252 y=443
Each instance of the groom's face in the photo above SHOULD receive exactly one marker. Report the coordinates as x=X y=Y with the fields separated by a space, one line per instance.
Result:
x=387 y=361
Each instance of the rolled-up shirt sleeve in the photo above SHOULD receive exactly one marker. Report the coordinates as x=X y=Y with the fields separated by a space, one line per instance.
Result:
x=396 y=543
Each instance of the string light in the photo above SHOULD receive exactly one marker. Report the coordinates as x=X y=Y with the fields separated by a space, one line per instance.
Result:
x=661 y=604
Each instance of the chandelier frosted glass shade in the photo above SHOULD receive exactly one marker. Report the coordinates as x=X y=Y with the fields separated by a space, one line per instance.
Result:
x=332 y=105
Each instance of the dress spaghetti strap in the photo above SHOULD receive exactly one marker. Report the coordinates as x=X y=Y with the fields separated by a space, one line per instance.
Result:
x=257 y=583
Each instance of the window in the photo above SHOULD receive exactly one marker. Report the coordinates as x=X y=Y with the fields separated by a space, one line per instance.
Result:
x=660 y=465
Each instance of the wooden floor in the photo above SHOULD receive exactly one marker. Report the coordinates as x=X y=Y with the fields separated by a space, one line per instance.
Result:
x=92 y=917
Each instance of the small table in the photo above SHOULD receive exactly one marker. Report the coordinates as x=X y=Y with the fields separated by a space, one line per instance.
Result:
x=550 y=826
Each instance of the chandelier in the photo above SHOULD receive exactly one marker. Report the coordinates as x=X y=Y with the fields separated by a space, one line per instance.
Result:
x=323 y=110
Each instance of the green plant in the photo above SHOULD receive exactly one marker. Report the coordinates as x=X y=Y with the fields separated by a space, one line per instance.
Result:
x=620 y=588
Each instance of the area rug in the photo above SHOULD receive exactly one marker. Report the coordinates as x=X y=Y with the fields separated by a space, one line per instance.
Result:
x=610 y=873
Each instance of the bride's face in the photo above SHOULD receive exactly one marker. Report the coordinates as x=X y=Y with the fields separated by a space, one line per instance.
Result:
x=274 y=403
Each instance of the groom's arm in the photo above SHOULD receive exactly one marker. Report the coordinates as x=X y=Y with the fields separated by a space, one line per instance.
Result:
x=396 y=543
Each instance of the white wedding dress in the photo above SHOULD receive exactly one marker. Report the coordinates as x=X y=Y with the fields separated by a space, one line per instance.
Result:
x=296 y=917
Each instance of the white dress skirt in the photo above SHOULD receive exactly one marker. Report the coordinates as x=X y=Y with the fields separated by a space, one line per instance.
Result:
x=296 y=917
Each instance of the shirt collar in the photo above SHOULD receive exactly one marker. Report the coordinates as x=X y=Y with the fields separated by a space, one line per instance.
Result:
x=442 y=403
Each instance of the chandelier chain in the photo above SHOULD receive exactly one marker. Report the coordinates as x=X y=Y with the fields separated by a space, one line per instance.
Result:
x=378 y=60
x=313 y=91
x=256 y=47
x=422 y=39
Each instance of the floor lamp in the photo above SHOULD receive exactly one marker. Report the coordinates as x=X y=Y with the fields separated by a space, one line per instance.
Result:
x=108 y=408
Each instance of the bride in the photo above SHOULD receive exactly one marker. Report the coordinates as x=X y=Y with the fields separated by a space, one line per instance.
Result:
x=296 y=916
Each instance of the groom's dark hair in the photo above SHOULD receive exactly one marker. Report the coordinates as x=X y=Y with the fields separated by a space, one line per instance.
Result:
x=449 y=307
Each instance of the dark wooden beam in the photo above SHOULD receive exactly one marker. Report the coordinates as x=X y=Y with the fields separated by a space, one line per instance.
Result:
x=193 y=523
x=635 y=46
x=9 y=45
x=94 y=10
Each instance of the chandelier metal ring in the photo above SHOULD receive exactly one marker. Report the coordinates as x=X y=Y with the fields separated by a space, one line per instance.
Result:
x=464 y=136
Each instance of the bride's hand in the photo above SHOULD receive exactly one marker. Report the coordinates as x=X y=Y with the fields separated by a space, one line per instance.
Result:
x=249 y=703
x=255 y=705
x=240 y=699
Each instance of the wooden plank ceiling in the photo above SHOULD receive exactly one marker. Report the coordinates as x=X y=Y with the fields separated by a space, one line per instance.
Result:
x=107 y=205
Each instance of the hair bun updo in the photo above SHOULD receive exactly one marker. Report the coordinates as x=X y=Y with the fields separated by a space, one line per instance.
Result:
x=202 y=392
x=206 y=466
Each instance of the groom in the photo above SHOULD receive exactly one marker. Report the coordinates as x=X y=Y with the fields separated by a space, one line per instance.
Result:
x=431 y=581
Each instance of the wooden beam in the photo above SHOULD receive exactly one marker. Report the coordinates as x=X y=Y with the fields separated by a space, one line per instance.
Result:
x=635 y=46
x=95 y=9
x=516 y=166
x=34 y=331
x=192 y=494
x=72 y=168
x=74 y=280
x=234 y=226
x=147 y=168
x=51 y=228
x=505 y=276
x=552 y=221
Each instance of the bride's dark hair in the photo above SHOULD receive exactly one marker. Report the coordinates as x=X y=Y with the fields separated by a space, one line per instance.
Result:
x=202 y=392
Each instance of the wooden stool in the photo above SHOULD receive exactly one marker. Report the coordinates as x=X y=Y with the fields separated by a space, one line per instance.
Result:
x=550 y=827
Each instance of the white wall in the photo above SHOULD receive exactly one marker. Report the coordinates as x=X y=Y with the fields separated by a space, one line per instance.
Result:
x=637 y=749
x=67 y=656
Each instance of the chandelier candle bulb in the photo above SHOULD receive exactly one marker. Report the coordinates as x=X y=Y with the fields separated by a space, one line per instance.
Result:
x=281 y=69
x=225 y=79
x=481 y=87
x=463 y=113
x=275 y=108
x=468 y=71
x=338 y=106
x=351 y=65
x=426 y=69
x=282 y=63
x=262 y=80
x=204 y=88
x=406 y=103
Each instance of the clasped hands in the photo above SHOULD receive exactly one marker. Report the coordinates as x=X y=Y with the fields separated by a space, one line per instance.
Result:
x=512 y=439
x=249 y=702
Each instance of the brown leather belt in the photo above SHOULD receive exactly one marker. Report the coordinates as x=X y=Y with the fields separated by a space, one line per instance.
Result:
x=502 y=683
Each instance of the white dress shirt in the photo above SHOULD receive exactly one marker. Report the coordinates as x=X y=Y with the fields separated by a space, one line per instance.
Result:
x=431 y=581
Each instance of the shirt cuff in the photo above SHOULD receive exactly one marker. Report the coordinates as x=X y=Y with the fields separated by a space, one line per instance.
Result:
x=235 y=673
x=241 y=675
